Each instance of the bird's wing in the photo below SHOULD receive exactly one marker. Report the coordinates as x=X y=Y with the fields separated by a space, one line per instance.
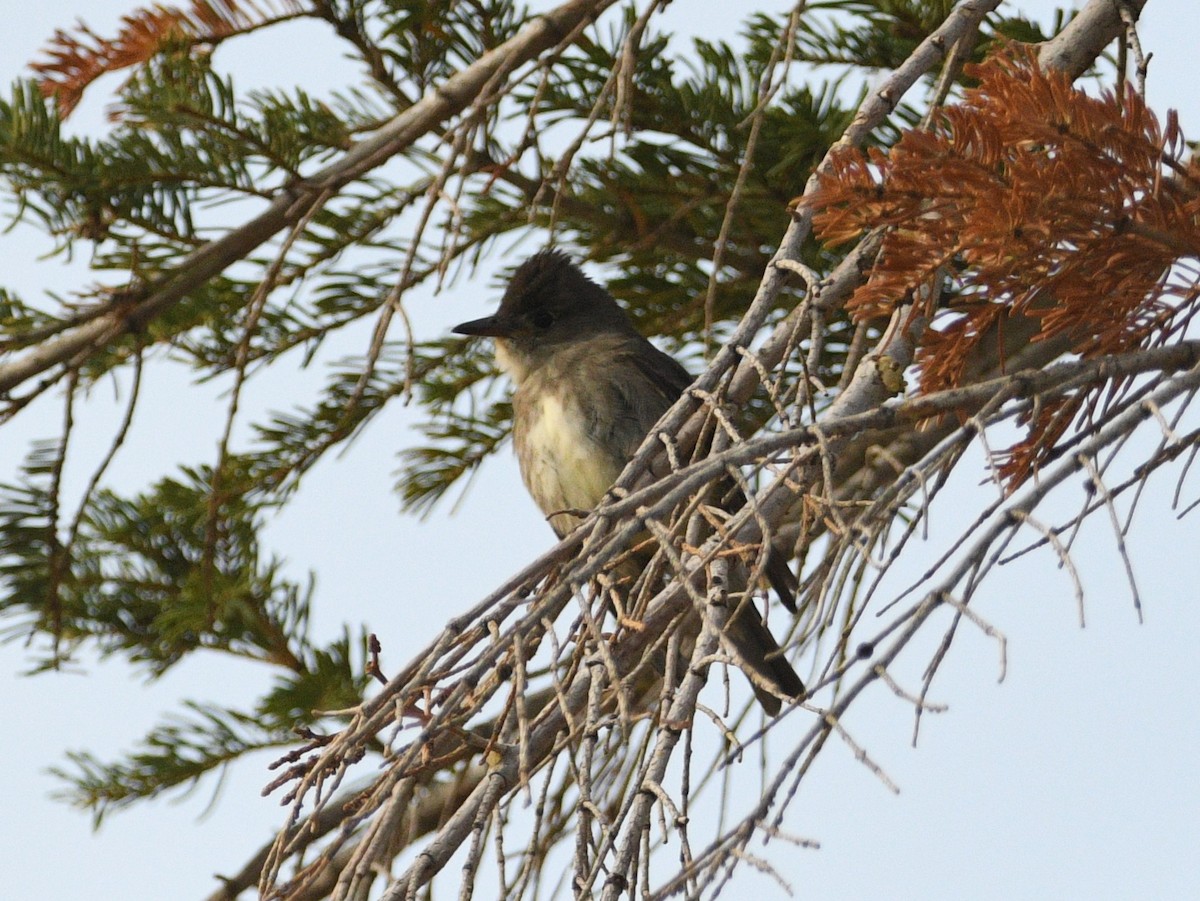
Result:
x=669 y=380
x=646 y=382
x=651 y=382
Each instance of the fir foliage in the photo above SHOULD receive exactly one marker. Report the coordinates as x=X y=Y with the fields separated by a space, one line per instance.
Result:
x=174 y=570
x=1042 y=194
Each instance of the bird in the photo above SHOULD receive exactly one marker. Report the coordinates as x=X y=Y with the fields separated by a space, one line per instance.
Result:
x=588 y=389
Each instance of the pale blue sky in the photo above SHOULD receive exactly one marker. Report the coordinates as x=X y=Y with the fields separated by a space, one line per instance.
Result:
x=1074 y=778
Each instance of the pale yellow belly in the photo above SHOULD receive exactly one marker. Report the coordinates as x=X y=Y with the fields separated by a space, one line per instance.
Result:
x=561 y=463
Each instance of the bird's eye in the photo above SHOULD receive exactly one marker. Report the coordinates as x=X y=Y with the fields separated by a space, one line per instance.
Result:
x=543 y=319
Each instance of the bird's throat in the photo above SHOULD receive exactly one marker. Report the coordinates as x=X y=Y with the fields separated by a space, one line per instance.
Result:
x=511 y=361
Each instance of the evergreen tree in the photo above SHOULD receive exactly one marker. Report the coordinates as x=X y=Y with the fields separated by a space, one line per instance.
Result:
x=881 y=229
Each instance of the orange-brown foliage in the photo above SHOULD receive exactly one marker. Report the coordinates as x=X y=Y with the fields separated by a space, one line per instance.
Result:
x=77 y=58
x=1039 y=201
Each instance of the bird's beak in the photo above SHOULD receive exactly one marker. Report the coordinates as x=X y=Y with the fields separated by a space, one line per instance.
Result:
x=488 y=326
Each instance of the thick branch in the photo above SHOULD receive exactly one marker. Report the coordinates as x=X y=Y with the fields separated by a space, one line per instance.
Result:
x=293 y=202
x=553 y=726
x=1075 y=48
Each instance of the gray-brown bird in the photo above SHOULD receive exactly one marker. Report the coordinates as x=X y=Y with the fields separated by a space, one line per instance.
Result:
x=589 y=388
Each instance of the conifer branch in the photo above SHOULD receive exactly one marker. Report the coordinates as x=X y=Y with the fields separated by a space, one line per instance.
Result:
x=141 y=305
x=78 y=59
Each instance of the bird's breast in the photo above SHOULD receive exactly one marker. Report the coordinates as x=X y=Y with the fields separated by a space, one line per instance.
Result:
x=563 y=462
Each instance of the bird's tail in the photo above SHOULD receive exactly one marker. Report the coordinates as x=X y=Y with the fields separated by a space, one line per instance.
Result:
x=761 y=659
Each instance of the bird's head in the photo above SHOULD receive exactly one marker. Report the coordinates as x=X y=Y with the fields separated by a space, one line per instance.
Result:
x=549 y=304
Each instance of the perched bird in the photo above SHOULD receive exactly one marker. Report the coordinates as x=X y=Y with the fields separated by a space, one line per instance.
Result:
x=589 y=388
